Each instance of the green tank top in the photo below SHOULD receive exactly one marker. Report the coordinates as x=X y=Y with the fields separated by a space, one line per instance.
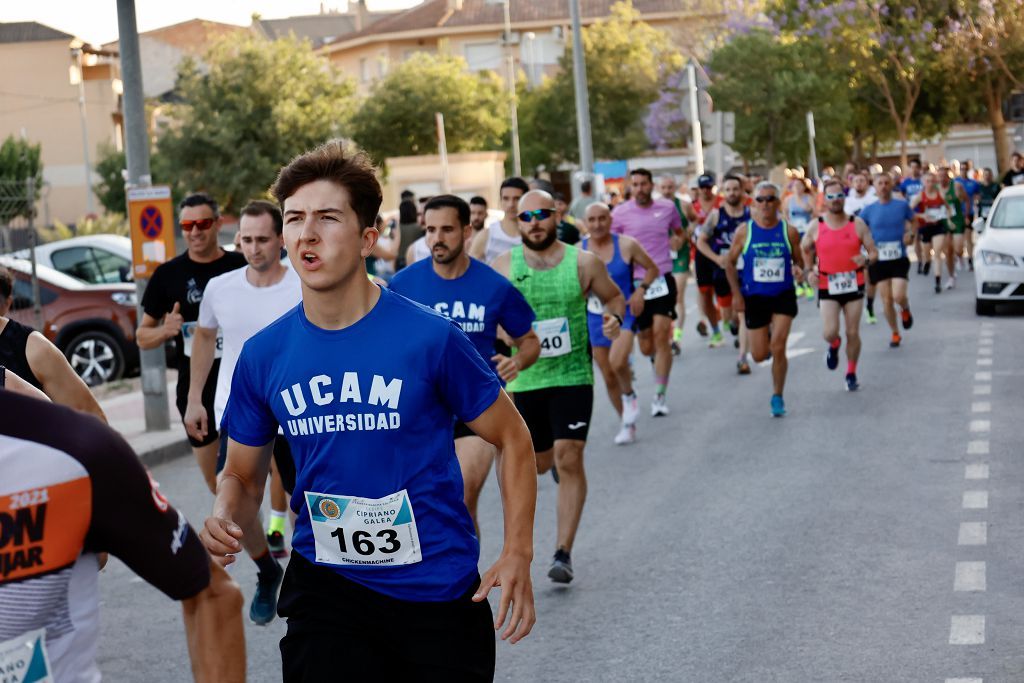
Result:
x=557 y=299
x=957 y=219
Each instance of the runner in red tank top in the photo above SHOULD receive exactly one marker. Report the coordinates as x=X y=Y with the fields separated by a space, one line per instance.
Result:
x=837 y=241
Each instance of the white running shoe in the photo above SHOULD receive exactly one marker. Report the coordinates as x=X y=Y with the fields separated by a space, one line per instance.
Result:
x=630 y=409
x=951 y=283
x=626 y=435
x=659 y=407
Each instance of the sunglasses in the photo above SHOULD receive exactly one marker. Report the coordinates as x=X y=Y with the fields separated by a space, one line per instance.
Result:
x=201 y=224
x=539 y=214
x=832 y=197
x=762 y=200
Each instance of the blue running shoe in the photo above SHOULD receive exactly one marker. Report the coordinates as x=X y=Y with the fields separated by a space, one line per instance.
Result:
x=832 y=357
x=778 y=406
x=264 y=603
x=851 y=382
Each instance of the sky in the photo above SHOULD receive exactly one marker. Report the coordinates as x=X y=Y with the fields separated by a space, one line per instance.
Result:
x=95 y=21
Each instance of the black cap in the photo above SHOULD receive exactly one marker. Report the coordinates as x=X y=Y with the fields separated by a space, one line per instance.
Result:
x=706 y=180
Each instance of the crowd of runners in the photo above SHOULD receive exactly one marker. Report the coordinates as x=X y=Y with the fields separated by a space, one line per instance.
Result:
x=376 y=376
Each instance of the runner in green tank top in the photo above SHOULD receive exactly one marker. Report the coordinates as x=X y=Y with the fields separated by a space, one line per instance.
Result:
x=955 y=196
x=555 y=396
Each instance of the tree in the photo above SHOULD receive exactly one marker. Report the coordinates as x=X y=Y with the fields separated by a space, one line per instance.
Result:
x=19 y=161
x=397 y=119
x=628 y=62
x=771 y=82
x=110 y=189
x=256 y=105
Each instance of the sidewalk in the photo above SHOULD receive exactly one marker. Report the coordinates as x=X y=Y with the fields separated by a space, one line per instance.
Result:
x=123 y=405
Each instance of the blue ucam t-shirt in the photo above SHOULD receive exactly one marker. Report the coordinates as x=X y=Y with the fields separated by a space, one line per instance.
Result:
x=367 y=411
x=479 y=300
x=910 y=187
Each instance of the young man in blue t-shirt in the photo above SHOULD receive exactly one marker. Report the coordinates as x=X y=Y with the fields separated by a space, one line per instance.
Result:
x=367 y=385
x=479 y=299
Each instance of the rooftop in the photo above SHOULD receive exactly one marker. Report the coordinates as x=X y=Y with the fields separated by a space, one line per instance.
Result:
x=29 y=32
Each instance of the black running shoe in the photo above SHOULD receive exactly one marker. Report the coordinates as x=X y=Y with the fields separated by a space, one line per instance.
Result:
x=927 y=267
x=702 y=329
x=263 y=608
x=851 y=382
x=832 y=357
x=275 y=540
x=561 y=567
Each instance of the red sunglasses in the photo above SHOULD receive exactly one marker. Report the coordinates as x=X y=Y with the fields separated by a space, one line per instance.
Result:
x=201 y=224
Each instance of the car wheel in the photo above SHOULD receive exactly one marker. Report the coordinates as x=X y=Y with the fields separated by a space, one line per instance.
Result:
x=96 y=357
x=982 y=307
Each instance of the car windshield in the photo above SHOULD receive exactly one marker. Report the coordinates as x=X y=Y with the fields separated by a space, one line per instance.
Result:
x=1009 y=214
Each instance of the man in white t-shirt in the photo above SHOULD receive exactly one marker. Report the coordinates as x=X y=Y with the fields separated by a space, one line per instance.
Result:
x=241 y=303
x=861 y=194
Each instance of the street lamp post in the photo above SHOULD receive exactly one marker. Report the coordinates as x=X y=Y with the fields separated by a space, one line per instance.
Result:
x=79 y=76
x=510 y=65
x=579 y=68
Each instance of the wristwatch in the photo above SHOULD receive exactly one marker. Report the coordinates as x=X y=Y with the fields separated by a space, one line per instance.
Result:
x=644 y=286
x=618 y=317
x=3 y=377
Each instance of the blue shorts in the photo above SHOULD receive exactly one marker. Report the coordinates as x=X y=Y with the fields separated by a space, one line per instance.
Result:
x=595 y=322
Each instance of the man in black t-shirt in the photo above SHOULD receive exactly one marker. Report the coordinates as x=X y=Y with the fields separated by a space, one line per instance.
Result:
x=1015 y=176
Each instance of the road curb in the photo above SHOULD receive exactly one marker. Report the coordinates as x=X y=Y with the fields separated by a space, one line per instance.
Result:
x=166 y=450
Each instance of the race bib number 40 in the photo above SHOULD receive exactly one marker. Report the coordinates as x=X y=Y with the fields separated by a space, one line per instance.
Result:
x=188 y=333
x=842 y=283
x=378 y=531
x=554 y=337
x=658 y=289
x=890 y=251
x=769 y=270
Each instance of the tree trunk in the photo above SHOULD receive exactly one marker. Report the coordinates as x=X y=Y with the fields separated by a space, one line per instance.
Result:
x=901 y=131
x=874 y=148
x=994 y=88
x=858 y=149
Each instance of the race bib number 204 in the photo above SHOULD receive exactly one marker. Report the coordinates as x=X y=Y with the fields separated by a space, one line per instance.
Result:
x=364 y=531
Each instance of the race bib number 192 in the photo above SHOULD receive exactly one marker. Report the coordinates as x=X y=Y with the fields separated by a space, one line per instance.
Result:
x=842 y=283
x=378 y=531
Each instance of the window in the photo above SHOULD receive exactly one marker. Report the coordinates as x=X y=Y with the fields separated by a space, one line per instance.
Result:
x=94 y=266
x=22 y=292
x=483 y=56
x=364 y=70
x=1009 y=213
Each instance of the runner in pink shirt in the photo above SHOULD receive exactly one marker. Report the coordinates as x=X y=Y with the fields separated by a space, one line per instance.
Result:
x=652 y=222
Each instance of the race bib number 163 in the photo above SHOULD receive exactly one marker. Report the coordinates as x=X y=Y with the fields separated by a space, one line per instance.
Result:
x=349 y=530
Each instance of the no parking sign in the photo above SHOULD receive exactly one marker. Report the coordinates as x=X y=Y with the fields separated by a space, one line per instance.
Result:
x=152 y=222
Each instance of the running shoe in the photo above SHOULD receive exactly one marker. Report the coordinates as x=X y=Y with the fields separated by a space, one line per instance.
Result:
x=951 y=283
x=630 y=409
x=778 y=406
x=851 y=382
x=938 y=286
x=832 y=357
x=716 y=340
x=970 y=263
x=809 y=293
x=908 y=319
x=677 y=334
x=742 y=367
x=702 y=329
x=675 y=349
x=734 y=327
x=871 y=318
x=626 y=435
x=275 y=539
x=659 y=407
x=927 y=267
x=920 y=268
x=561 y=567
x=264 y=603
x=895 y=341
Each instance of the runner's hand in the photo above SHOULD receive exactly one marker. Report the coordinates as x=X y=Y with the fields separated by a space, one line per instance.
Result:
x=636 y=303
x=723 y=261
x=508 y=368
x=196 y=420
x=799 y=275
x=860 y=260
x=611 y=326
x=738 y=304
x=173 y=321
x=222 y=539
x=512 y=574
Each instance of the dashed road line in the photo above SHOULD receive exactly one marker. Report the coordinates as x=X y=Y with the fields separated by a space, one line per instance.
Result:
x=970 y=577
x=984 y=361
x=973 y=533
x=985 y=376
x=967 y=629
x=981 y=407
x=976 y=471
x=982 y=389
x=980 y=425
x=964 y=680
x=977 y=447
x=975 y=500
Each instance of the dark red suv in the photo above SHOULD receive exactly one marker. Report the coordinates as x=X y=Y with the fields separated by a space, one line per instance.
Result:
x=93 y=325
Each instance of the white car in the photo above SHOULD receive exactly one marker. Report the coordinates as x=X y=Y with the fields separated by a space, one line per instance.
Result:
x=999 y=252
x=93 y=259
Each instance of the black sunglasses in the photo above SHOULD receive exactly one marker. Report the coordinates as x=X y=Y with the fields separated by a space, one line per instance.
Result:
x=762 y=200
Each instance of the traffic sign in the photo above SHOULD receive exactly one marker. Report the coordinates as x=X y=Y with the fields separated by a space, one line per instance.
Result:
x=151 y=216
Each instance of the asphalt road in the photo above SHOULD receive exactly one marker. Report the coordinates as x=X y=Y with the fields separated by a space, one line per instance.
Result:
x=869 y=536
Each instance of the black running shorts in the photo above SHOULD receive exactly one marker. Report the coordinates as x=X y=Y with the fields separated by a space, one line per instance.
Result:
x=663 y=305
x=760 y=309
x=880 y=271
x=556 y=413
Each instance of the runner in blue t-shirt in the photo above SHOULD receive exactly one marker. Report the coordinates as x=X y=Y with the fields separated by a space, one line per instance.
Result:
x=479 y=299
x=367 y=385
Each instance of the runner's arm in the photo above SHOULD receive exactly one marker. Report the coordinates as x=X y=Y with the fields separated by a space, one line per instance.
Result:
x=798 y=258
x=866 y=239
x=239 y=495
x=214 y=630
x=636 y=254
x=204 y=345
x=478 y=248
x=704 y=236
x=731 y=273
x=595 y=278
x=410 y=255
x=807 y=244
x=17 y=385
x=527 y=352
x=501 y=264
x=60 y=381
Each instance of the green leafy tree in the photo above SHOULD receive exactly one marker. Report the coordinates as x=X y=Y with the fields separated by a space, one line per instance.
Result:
x=397 y=119
x=110 y=189
x=257 y=104
x=19 y=161
x=771 y=83
x=628 y=61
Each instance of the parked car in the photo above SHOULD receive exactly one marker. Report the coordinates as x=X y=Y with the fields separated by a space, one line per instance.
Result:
x=999 y=252
x=95 y=259
x=92 y=324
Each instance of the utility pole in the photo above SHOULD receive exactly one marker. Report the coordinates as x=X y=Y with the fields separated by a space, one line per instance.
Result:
x=79 y=56
x=442 y=150
x=510 y=76
x=37 y=306
x=810 y=138
x=698 y=144
x=152 y=361
x=579 y=70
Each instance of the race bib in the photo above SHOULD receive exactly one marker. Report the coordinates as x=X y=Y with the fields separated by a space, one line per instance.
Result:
x=842 y=283
x=594 y=305
x=890 y=251
x=377 y=531
x=24 y=658
x=984 y=211
x=188 y=332
x=673 y=253
x=658 y=289
x=935 y=214
x=554 y=337
x=769 y=270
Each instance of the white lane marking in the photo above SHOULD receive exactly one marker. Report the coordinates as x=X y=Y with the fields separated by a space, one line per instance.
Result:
x=982 y=389
x=985 y=341
x=967 y=629
x=984 y=361
x=794 y=337
x=977 y=447
x=976 y=471
x=984 y=351
x=973 y=533
x=981 y=407
x=964 y=680
x=970 y=577
x=986 y=332
x=985 y=376
x=981 y=425
x=790 y=355
x=975 y=500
